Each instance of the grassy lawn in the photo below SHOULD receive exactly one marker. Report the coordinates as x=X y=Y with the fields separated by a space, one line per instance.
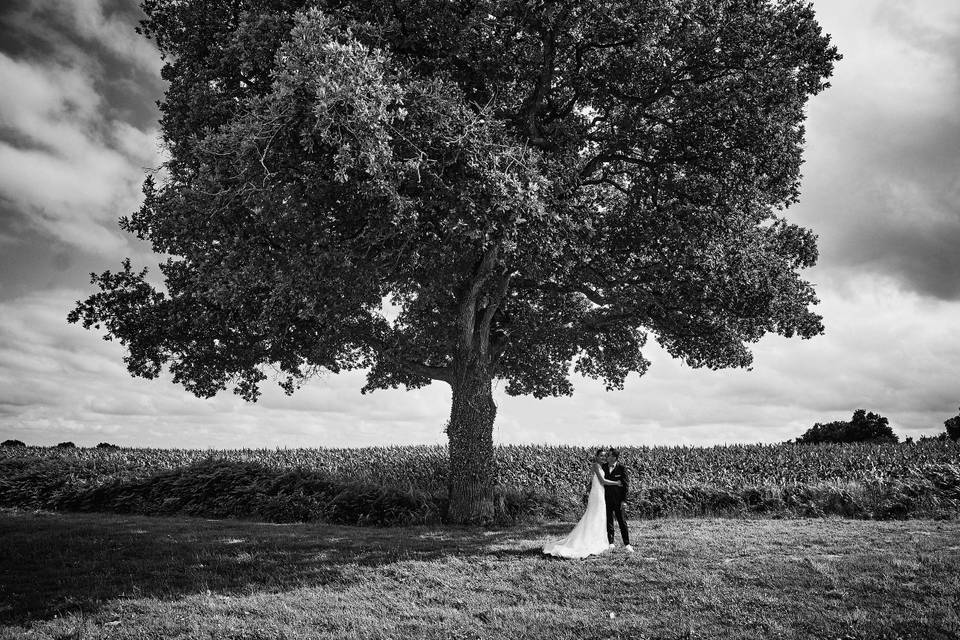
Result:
x=111 y=576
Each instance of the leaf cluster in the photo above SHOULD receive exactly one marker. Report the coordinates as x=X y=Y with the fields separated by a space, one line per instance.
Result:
x=953 y=427
x=531 y=187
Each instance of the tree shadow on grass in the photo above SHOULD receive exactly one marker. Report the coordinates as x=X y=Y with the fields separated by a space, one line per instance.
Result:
x=58 y=563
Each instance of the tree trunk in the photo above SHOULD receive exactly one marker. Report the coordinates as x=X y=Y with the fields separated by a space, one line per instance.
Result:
x=470 y=432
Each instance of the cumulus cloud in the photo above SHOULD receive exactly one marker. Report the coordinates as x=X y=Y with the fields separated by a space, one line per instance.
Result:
x=60 y=382
x=882 y=183
x=883 y=351
x=881 y=188
x=83 y=31
x=113 y=31
x=68 y=171
x=70 y=165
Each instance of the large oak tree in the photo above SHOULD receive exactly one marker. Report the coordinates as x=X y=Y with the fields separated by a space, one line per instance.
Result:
x=531 y=187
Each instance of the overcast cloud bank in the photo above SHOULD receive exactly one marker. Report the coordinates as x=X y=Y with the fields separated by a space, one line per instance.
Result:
x=881 y=188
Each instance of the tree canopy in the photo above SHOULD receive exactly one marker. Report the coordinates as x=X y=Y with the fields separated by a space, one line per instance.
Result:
x=862 y=427
x=615 y=168
x=952 y=426
x=444 y=190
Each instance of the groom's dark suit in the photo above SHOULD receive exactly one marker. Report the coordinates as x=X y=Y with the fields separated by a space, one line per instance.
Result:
x=614 y=495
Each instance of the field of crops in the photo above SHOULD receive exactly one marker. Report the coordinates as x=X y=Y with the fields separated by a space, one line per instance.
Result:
x=425 y=467
x=856 y=480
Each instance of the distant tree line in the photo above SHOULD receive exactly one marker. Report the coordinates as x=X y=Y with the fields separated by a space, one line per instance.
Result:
x=62 y=445
x=867 y=426
x=864 y=426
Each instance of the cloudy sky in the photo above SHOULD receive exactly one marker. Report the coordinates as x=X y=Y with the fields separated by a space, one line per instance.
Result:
x=78 y=129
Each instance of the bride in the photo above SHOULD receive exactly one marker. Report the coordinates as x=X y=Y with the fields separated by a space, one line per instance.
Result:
x=589 y=537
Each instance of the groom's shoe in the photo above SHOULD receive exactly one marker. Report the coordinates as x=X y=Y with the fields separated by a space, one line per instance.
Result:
x=628 y=548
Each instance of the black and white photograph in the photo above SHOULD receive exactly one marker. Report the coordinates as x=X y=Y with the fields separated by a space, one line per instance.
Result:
x=480 y=319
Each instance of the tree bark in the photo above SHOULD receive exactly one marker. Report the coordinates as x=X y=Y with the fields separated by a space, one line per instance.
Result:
x=470 y=434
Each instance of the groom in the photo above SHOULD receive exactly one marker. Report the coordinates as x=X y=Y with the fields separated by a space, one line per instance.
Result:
x=614 y=495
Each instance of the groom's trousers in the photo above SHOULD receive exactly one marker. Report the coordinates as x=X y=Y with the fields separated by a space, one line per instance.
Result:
x=615 y=510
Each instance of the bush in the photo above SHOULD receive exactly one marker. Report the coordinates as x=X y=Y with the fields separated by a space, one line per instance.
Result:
x=644 y=508
x=66 y=445
x=946 y=478
x=31 y=483
x=514 y=504
x=12 y=443
x=863 y=427
x=219 y=489
x=107 y=445
x=847 y=500
x=953 y=427
x=707 y=500
x=365 y=504
x=897 y=501
x=764 y=500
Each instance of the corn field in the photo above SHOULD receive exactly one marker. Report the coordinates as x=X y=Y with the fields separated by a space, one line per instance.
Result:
x=729 y=467
x=405 y=485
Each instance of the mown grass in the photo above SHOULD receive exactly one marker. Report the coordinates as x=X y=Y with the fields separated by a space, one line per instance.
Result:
x=113 y=576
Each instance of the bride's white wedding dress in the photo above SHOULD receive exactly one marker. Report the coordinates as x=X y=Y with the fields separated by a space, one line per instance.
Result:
x=589 y=537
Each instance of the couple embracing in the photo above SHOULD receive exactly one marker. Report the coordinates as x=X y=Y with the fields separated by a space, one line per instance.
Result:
x=593 y=534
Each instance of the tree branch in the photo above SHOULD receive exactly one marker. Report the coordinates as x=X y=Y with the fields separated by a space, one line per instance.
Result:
x=415 y=368
x=490 y=311
x=468 y=304
x=541 y=90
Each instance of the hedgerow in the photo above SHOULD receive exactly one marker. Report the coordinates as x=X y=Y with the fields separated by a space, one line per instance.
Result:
x=407 y=485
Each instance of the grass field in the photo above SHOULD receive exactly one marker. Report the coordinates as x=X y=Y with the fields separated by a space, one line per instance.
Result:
x=111 y=576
